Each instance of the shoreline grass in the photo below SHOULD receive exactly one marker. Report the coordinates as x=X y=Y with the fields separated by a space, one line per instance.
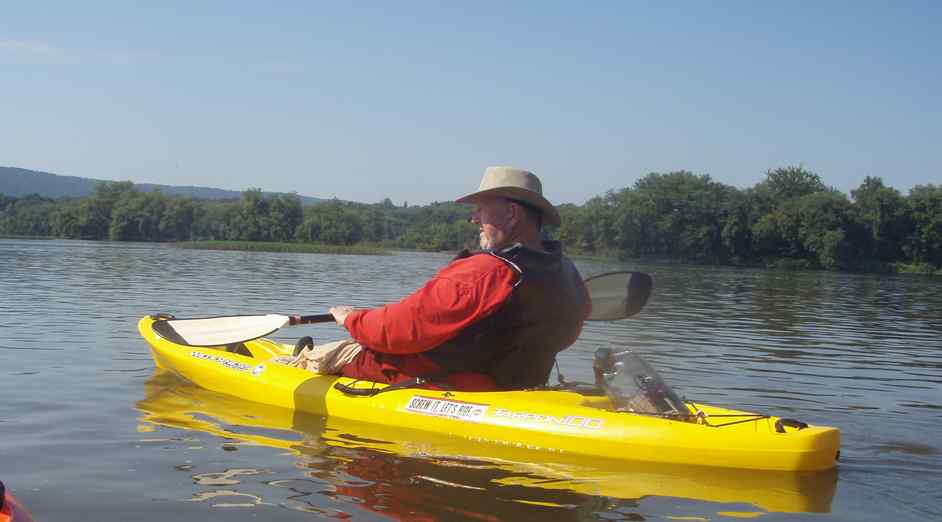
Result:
x=295 y=248
x=369 y=249
x=917 y=268
x=14 y=236
x=772 y=264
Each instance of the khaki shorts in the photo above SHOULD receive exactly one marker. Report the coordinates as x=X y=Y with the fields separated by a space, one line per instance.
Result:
x=327 y=358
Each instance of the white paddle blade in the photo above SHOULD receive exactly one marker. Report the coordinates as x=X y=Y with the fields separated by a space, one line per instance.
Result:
x=218 y=331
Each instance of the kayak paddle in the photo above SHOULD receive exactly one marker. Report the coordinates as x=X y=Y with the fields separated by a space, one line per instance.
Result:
x=614 y=296
x=228 y=329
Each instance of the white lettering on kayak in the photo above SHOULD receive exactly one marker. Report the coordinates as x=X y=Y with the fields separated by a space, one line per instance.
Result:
x=460 y=410
x=576 y=421
x=235 y=365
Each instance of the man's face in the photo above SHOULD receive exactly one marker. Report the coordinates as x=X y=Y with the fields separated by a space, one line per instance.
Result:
x=493 y=215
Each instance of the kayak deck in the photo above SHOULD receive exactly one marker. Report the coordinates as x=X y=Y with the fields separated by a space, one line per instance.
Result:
x=545 y=421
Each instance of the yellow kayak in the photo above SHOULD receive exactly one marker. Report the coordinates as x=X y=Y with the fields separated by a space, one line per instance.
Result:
x=179 y=405
x=547 y=423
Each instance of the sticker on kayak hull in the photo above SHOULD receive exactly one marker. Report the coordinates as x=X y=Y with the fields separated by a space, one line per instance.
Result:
x=466 y=411
x=228 y=363
x=574 y=421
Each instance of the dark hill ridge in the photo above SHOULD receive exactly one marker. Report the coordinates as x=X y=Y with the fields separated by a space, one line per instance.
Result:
x=18 y=182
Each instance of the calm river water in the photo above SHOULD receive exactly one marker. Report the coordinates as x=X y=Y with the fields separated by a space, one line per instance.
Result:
x=89 y=431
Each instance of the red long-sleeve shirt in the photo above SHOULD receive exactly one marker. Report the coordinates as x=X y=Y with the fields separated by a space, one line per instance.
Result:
x=460 y=294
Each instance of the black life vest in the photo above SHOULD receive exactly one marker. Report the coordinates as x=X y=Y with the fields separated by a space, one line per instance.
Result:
x=543 y=315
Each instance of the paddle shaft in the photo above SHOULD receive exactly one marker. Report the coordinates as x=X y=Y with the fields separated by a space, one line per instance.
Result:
x=310 y=319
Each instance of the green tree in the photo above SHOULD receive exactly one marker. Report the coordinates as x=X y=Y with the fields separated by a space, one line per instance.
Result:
x=771 y=237
x=64 y=220
x=252 y=223
x=178 y=220
x=738 y=220
x=90 y=218
x=136 y=216
x=330 y=223
x=216 y=220
x=376 y=221
x=284 y=217
x=632 y=217
x=689 y=214
x=94 y=218
x=820 y=227
x=886 y=215
x=925 y=244
x=828 y=229
x=572 y=230
x=27 y=216
x=597 y=225
x=108 y=193
x=787 y=183
x=793 y=215
x=423 y=228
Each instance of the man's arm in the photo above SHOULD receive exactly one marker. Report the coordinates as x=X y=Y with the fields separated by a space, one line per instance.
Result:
x=461 y=294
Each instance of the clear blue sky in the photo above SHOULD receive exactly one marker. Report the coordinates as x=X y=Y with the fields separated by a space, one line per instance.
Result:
x=412 y=101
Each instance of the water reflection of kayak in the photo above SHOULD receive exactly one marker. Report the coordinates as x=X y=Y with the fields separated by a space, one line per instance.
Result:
x=384 y=456
x=571 y=422
x=10 y=508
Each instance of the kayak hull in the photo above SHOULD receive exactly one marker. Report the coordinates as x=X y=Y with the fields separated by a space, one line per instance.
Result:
x=352 y=449
x=545 y=422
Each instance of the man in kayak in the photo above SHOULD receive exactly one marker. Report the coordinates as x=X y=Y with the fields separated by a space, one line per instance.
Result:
x=488 y=320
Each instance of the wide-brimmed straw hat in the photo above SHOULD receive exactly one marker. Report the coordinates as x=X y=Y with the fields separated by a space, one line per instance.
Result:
x=516 y=184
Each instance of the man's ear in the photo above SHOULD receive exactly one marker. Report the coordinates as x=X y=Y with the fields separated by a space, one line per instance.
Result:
x=514 y=213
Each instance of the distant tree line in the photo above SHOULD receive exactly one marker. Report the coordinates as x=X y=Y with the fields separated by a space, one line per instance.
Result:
x=119 y=212
x=790 y=218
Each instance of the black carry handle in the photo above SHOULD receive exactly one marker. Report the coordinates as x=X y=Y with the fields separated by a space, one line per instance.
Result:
x=359 y=392
x=791 y=423
x=415 y=382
